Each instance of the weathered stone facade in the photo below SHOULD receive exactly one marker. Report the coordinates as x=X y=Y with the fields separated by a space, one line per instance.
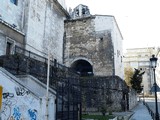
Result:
x=109 y=92
x=97 y=40
x=83 y=42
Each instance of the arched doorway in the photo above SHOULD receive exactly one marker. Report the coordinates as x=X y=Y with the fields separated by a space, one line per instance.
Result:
x=83 y=67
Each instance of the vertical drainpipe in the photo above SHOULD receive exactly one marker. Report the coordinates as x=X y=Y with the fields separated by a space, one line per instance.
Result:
x=26 y=19
x=23 y=14
x=113 y=58
x=113 y=70
x=44 y=34
x=1 y=91
x=64 y=44
x=23 y=23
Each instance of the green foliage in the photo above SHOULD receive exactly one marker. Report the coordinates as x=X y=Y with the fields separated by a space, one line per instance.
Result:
x=128 y=73
x=110 y=112
x=103 y=110
x=136 y=80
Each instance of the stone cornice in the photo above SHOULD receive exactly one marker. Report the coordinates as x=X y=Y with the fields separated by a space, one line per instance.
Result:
x=11 y=26
x=61 y=8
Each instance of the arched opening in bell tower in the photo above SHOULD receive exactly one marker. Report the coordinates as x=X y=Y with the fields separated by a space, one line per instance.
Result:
x=83 y=67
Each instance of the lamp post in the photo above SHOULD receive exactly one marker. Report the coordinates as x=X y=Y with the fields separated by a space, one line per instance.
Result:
x=153 y=61
x=143 y=94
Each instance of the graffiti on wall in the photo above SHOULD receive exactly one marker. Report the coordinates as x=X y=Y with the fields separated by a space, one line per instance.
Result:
x=8 y=95
x=32 y=114
x=16 y=113
x=7 y=104
x=18 y=106
x=20 y=91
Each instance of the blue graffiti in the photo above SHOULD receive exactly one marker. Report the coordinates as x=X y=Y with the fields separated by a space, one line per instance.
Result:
x=32 y=114
x=16 y=113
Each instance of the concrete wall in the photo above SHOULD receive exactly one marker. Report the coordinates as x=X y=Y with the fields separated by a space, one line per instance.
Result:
x=12 y=13
x=45 y=27
x=2 y=44
x=11 y=25
x=118 y=50
x=23 y=103
x=11 y=35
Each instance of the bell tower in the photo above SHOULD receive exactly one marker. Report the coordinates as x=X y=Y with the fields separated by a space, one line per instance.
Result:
x=80 y=11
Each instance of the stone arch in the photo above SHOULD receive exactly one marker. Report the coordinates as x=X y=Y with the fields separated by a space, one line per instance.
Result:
x=83 y=67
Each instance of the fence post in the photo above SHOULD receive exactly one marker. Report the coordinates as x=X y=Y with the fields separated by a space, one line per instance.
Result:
x=18 y=64
x=15 y=50
x=1 y=91
x=55 y=62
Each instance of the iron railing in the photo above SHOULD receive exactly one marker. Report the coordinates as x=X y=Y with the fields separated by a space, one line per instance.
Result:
x=74 y=94
x=62 y=80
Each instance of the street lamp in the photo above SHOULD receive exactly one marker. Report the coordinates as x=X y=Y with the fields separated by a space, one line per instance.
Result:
x=153 y=61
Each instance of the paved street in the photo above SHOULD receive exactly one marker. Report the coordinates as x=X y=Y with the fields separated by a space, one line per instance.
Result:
x=151 y=103
x=140 y=113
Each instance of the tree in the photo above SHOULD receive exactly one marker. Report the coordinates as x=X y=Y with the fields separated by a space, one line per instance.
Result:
x=136 y=80
x=128 y=73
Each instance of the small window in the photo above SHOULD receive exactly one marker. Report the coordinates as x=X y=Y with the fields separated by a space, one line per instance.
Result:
x=14 y=1
x=9 y=46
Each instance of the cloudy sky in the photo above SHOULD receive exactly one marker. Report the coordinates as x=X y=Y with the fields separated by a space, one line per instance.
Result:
x=138 y=20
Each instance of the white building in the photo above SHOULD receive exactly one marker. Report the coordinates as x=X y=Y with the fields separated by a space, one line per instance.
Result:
x=33 y=25
x=139 y=58
x=157 y=72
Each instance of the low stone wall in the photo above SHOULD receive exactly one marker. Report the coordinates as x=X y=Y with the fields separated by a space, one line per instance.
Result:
x=103 y=93
x=132 y=98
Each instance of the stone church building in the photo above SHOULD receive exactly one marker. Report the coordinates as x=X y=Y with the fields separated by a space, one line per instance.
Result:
x=93 y=41
x=31 y=31
x=81 y=39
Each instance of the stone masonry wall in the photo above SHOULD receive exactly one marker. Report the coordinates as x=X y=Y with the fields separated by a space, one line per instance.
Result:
x=107 y=22
x=107 y=92
x=83 y=42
